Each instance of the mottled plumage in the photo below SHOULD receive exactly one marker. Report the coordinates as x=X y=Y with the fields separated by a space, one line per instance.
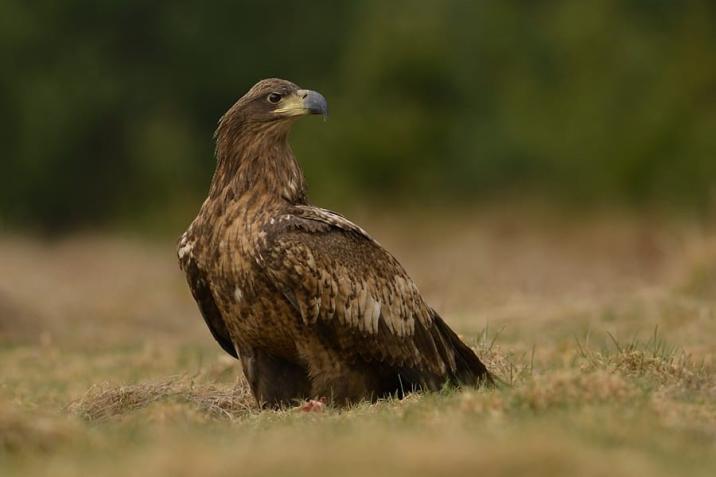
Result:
x=310 y=303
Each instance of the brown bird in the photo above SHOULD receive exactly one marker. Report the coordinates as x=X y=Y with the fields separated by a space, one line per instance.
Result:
x=309 y=302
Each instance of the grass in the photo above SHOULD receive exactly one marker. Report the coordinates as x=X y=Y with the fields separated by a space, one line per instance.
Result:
x=602 y=331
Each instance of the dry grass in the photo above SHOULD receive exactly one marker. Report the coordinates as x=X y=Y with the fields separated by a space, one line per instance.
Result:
x=103 y=402
x=603 y=332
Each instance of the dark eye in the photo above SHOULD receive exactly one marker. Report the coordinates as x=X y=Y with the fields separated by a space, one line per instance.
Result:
x=274 y=98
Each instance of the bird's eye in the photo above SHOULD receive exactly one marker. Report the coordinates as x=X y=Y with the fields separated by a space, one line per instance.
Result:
x=274 y=98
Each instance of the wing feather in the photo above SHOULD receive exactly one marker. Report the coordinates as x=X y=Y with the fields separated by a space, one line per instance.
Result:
x=334 y=273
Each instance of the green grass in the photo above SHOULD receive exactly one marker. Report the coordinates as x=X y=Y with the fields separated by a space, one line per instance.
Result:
x=641 y=408
x=606 y=358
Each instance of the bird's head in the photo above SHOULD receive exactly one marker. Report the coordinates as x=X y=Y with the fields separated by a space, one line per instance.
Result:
x=252 y=147
x=275 y=101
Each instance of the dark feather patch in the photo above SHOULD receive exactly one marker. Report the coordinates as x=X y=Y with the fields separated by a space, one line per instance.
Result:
x=207 y=306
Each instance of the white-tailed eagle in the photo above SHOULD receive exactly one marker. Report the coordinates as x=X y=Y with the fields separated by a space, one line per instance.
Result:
x=307 y=300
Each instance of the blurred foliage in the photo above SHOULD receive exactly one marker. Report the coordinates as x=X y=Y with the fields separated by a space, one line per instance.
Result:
x=109 y=105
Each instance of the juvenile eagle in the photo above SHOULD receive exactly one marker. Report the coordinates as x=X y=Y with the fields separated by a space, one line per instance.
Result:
x=307 y=300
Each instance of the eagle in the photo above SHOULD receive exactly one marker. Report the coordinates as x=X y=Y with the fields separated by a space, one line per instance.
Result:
x=312 y=306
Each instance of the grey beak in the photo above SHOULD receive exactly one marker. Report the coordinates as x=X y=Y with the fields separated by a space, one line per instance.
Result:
x=313 y=101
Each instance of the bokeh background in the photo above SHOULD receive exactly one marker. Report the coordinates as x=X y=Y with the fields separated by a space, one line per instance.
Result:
x=544 y=170
x=108 y=107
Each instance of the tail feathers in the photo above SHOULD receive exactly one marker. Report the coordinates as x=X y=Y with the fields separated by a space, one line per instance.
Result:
x=440 y=346
x=468 y=370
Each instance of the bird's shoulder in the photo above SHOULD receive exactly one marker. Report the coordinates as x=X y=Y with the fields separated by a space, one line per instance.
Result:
x=185 y=248
x=310 y=238
x=309 y=219
x=200 y=286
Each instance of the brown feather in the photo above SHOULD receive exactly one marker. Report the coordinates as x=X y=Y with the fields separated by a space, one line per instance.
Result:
x=313 y=304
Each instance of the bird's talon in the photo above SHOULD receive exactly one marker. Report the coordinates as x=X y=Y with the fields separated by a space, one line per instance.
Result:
x=313 y=405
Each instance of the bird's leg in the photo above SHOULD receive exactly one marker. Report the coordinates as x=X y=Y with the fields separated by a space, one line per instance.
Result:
x=274 y=382
x=343 y=387
x=333 y=378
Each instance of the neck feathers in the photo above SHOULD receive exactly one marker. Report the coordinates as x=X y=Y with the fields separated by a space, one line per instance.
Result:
x=254 y=158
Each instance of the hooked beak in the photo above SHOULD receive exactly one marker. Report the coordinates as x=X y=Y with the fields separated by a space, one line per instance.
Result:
x=303 y=102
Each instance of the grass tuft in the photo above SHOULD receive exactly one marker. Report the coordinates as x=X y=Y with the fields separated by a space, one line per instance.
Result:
x=105 y=401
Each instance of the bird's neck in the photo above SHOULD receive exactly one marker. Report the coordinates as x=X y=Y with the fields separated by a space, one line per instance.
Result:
x=255 y=160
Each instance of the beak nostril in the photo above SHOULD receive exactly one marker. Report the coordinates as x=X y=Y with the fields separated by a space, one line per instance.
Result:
x=308 y=102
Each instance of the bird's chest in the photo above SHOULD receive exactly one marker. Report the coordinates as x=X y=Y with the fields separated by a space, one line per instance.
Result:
x=255 y=313
x=229 y=256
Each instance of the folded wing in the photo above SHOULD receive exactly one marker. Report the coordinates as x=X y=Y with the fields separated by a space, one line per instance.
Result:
x=357 y=296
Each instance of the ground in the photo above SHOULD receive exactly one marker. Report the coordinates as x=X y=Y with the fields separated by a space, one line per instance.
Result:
x=602 y=330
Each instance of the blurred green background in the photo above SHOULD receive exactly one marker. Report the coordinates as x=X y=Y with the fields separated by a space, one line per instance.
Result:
x=108 y=107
